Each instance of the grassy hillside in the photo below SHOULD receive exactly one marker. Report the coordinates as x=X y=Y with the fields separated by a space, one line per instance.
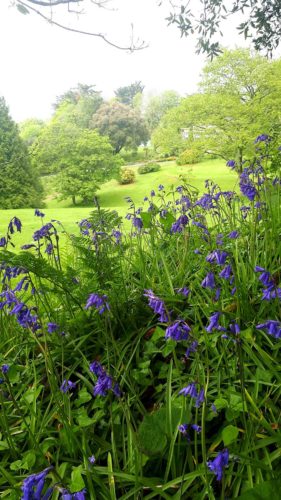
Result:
x=112 y=194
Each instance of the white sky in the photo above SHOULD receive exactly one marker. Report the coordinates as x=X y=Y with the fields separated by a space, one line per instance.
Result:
x=39 y=61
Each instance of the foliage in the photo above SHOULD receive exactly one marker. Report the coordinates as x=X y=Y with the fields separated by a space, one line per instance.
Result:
x=240 y=96
x=189 y=156
x=126 y=95
x=149 y=167
x=260 y=22
x=146 y=363
x=122 y=124
x=89 y=163
x=127 y=175
x=20 y=186
x=30 y=130
x=157 y=106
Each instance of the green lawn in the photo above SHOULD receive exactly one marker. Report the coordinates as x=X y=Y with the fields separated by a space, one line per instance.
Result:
x=112 y=195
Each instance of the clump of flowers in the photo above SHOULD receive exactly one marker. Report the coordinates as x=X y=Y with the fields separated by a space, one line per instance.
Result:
x=219 y=463
x=98 y=301
x=104 y=381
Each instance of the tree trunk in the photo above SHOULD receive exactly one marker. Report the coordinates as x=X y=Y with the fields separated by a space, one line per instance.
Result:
x=73 y=199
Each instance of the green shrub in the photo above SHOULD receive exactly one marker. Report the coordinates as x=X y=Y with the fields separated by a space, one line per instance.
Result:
x=189 y=156
x=127 y=175
x=149 y=167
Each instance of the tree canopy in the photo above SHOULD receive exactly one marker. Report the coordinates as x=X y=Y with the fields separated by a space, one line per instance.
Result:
x=20 y=186
x=126 y=94
x=122 y=124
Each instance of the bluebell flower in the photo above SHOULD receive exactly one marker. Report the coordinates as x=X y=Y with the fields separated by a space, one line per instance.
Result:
x=43 y=232
x=192 y=348
x=180 y=223
x=214 y=322
x=262 y=138
x=179 y=189
x=183 y=291
x=5 y=368
x=137 y=222
x=213 y=408
x=104 y=382
x=92 y=459
x=14 y=222
x=67 y=385
x=98 y=301
x=178 y=331
x=200 y=398
x=196 y=428
x=52 y=327
x=189 y=390
x=33 y=485
x=247 y=187
x=49 y=249
x=218 y=256
x=217 y=465
x=38 y=213
x=233 y=235
x=3 y=241
x=226 y=273
x=273 y=328
x=96 y=368
x=231 y=164
x=160 y=187
x=234 y=328
x=157 y=305
x=79 y=495
x=183 y=428
x=152 y=193
x=117 y=235
x=209 y=281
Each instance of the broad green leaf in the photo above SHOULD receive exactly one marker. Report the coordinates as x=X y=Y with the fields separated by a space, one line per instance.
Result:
x=269 y=490
x=77 y=481
x=229 y=434
x=152 y=438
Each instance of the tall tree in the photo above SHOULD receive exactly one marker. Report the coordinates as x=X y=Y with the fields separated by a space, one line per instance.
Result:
x=126 y=95
x=88 y=163
x=19 y=187
x=30 y=130
x=122 y=124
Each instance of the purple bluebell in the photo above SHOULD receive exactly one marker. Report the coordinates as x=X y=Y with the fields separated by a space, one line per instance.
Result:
x=226 y=273
x=233 y=235
x=157 y=305
x=43 y=232
x=206 y=201
x=3 y=241
x=117 y=235
x=273 y=328
x=200 y=398
x=192 y=348
x=217 y=465
x=98 y=301
x=5 y=368
x=183 y=428
x=92 y=459
x=262 y=138
x=218 y=256
x=38 y=213
x=14 y=222
x=52 y=327
x=180 y=223
x=67 y=385
x=189 y=390
x=152 y=193
x=178 y=331
x=79 y=495
x=214 y=322
x=49 y=249
x=183 y=291
x=161 y=187
x=28 y=246
x=213 y=408
x=97 y=368
x=247 y=187
x=104 y=381
x=234 y=328
x=179 y=189
x=231 y=164
x=137 y=222
x=209 y=281
x=196 y=428
x=33 y=485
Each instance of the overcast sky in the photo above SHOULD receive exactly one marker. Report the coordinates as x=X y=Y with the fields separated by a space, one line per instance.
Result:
x=39 y=61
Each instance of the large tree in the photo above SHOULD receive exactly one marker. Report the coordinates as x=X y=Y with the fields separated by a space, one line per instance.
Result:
x=240 y=99
x=122 y=124
x=19 y=186
x=88 y=163
x=127 y=94
x=30 y=130
x=158 y=105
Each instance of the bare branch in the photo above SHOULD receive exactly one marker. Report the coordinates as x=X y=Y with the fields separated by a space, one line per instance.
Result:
x=132 y=48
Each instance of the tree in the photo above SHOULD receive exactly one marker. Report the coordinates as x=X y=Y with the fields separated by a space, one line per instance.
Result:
x=126 y=95
x=82 y=92
x=19 y=187
x=122 y=124
x=30 y=130
x=158 y=105
x=240 y=99
x=261 y=22
x=89 y=162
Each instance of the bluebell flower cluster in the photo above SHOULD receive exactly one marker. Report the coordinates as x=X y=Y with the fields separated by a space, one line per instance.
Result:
x=20 y=310
x=184 y=428
x=219 y=463
x=191 y=390
x=104 y=382
x=270 y=290
x=37 y=213
x=32 y=487
x=67 y=386
x=178 y=331
x=98 y=301
x=157 y=305
x=272 y=327
x=79 y=495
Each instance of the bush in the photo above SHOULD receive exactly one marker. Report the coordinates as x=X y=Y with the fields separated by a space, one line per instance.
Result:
x=189 y=156
x=127 y=175
x=149 y=167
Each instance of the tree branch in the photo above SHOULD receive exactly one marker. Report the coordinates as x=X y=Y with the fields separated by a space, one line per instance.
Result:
x=132 y=48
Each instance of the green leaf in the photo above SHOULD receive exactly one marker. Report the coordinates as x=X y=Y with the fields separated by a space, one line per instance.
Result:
x=22 y=9
x=77 y=481
x=146 y=219
x=4 y=445
x=220 y=403
x=152 y=439
x=229 y=434
x=83 y=397
x=83 y=419
x=269 y=490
